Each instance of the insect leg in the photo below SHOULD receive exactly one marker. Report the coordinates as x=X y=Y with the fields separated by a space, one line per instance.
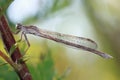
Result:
x=27 y=42
x=21 y=37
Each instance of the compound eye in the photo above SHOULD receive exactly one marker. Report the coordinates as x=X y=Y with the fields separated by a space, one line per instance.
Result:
x=18 y=26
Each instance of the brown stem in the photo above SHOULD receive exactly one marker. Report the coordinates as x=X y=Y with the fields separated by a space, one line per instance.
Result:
x=9 y=41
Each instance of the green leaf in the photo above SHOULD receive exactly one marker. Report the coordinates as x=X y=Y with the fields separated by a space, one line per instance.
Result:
x=45 y=70
x=12 y=49
x=3 y=64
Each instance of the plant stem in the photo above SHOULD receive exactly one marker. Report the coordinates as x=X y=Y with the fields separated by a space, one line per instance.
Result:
x=9 y=41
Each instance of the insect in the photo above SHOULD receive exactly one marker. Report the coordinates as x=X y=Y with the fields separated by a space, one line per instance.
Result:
x=74 y=41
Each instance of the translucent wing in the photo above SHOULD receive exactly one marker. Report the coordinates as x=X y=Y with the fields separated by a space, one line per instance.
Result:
x=69 y=38
x=74 y=41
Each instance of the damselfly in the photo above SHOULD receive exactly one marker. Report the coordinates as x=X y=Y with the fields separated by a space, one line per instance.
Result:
x=74 y=41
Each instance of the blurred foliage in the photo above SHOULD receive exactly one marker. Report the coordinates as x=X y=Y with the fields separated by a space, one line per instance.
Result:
x=59 y=4
x=6 y=72
x=105 y=16
x=47 y=11
x=4 y=4
x=45 y=69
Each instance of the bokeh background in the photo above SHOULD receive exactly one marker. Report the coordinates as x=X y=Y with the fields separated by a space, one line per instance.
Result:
x=98 y=20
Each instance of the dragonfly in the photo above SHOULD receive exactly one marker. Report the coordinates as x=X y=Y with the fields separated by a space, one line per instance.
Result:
x=85 y=44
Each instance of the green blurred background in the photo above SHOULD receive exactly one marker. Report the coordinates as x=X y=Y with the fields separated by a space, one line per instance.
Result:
x=98 y=20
